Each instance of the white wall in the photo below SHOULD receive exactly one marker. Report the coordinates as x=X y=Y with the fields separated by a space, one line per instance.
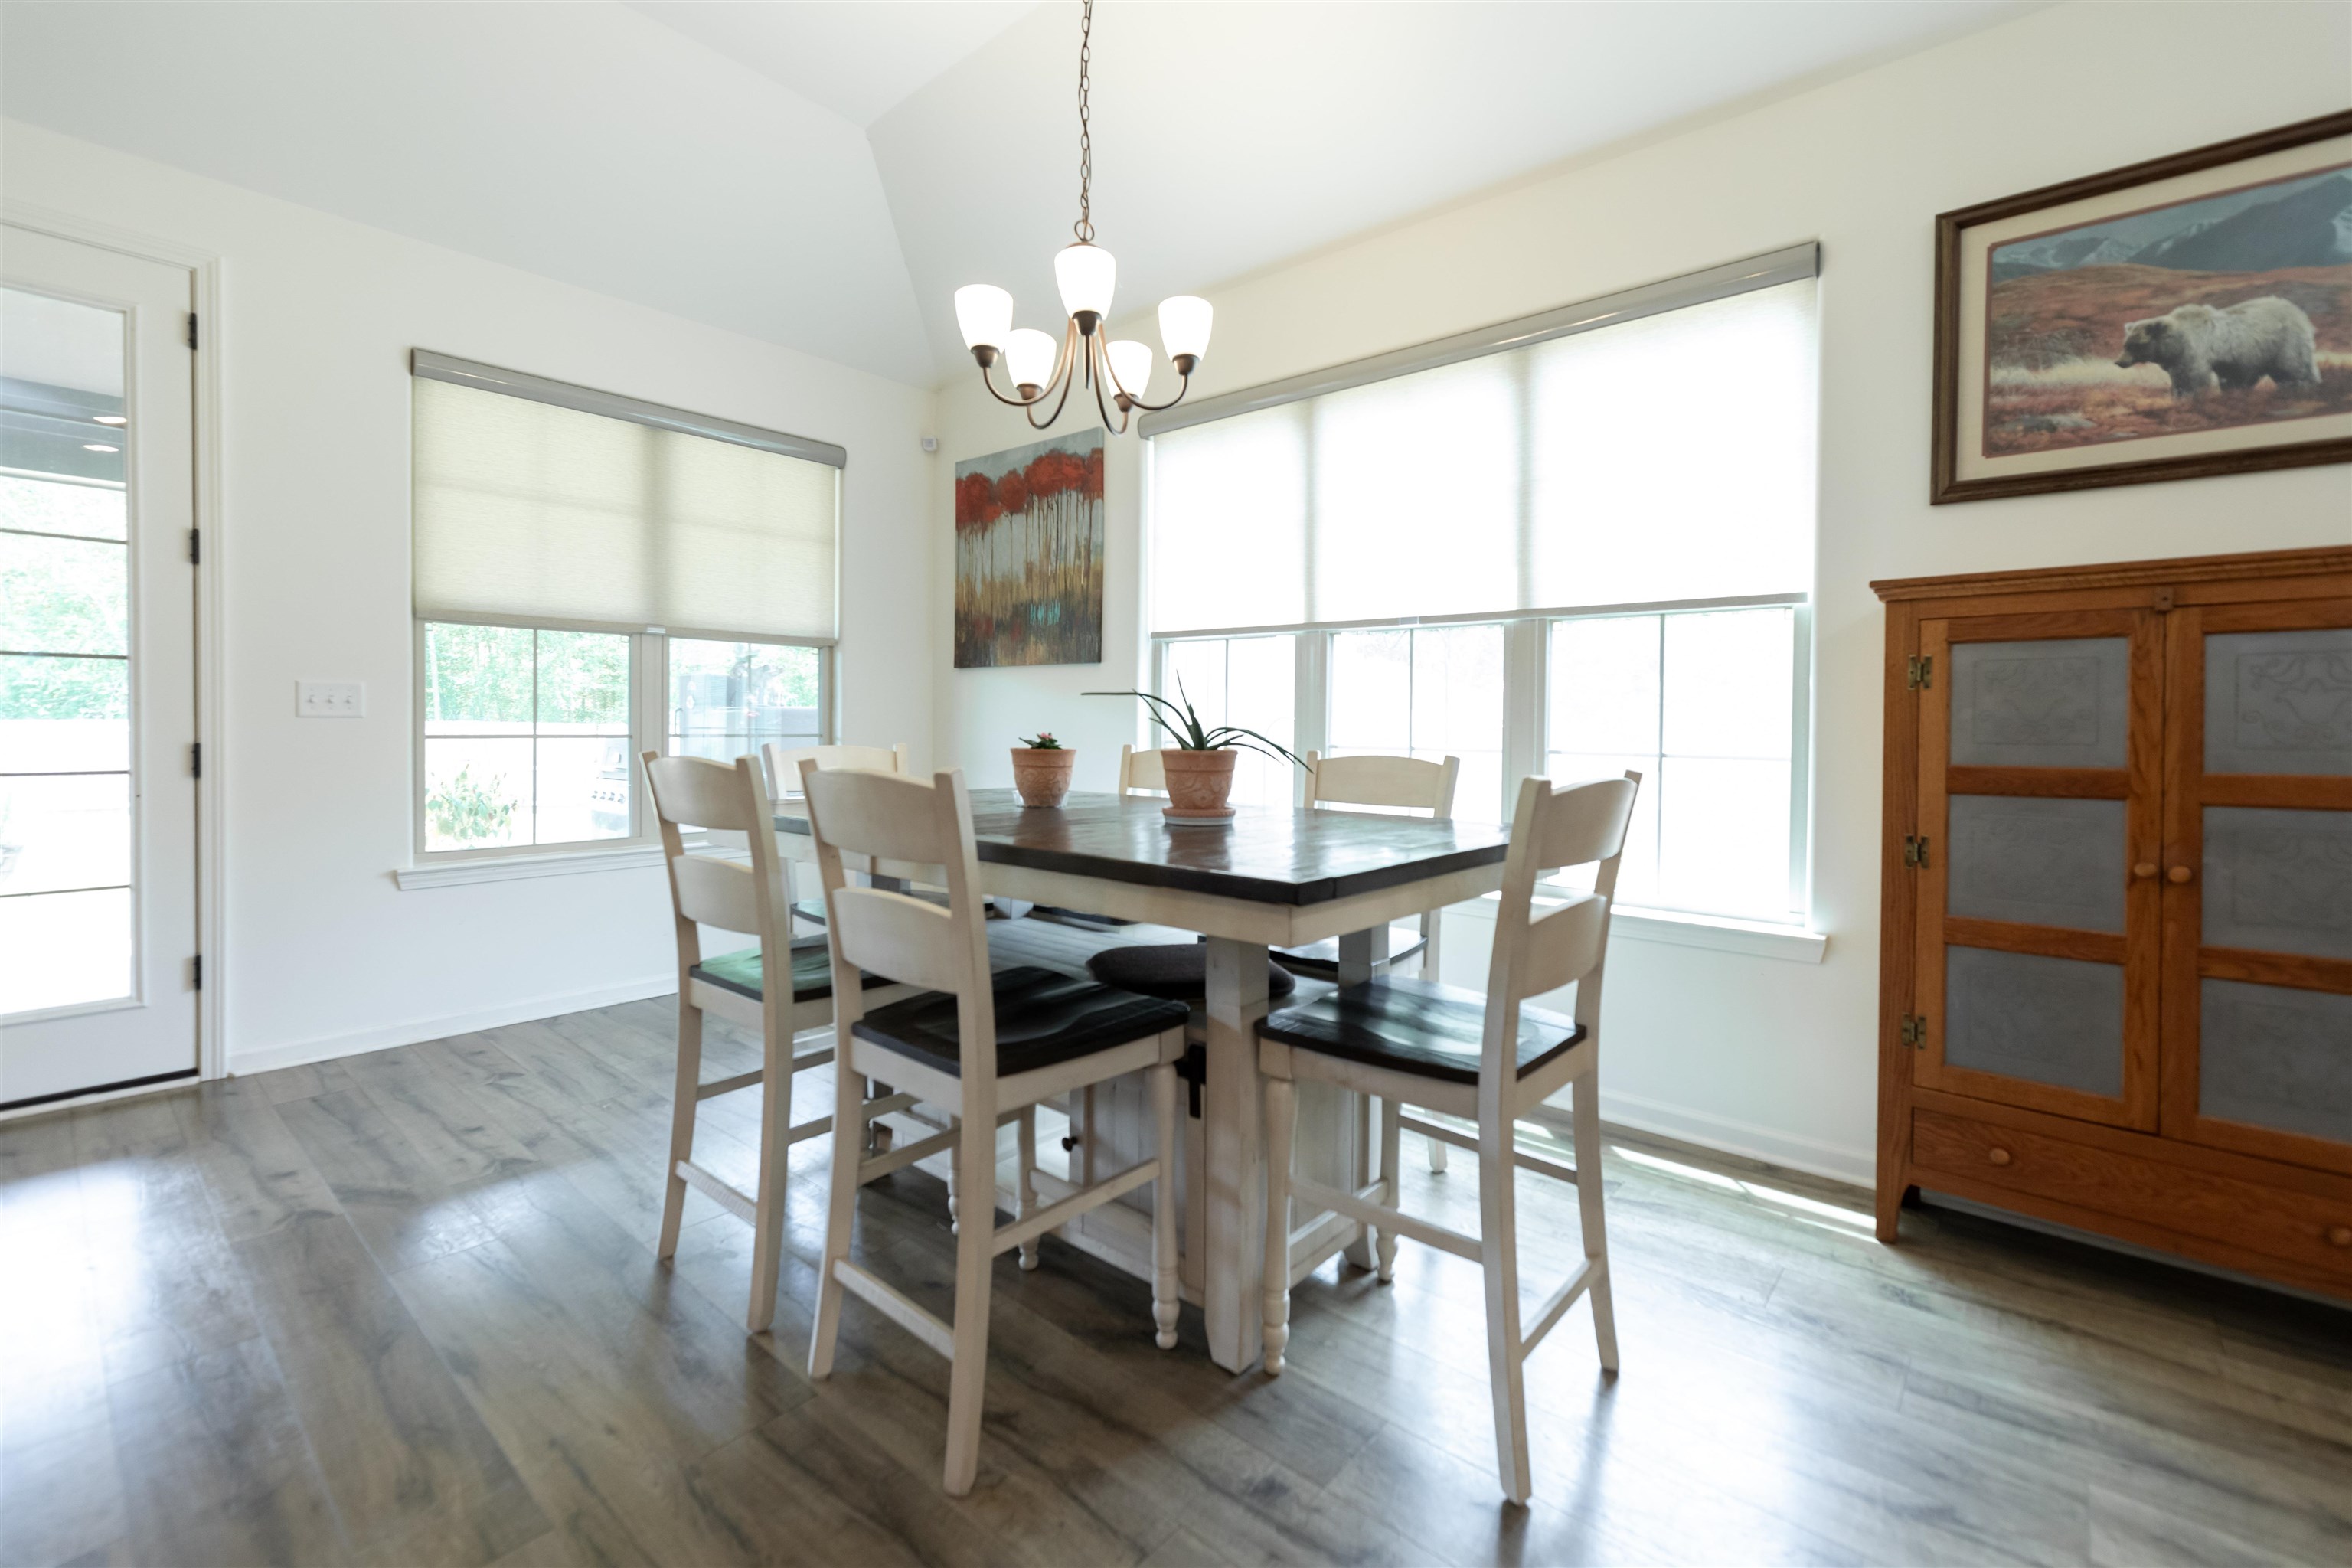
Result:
x=1760 y=1054
x=323 y=952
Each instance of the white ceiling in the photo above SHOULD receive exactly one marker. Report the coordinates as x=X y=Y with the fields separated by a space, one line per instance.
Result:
x=823 y=175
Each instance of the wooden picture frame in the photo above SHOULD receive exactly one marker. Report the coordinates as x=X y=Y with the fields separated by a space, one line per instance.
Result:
x=2054 y=416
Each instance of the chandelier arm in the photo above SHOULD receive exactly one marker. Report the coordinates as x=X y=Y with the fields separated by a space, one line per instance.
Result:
x=1016 y=400
x=1157 y=407
x=1116 y=427
x=1030 y=414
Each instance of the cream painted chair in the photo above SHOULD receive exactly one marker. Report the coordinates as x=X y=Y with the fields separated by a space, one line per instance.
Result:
x=782 y=765
x=990 y=1046
x=1408 y=784
x=1490 y=1063
x=773 y=989
x=1141 y=773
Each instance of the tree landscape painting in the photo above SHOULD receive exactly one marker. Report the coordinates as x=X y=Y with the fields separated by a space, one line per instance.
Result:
x=2229 y=310
x=1029 y=554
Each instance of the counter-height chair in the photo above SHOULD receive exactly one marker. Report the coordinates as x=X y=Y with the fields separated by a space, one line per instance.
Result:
x=987 y=1045
x=1410 y=783
x=773 y=989
x=1405 y=784
x=782 y=765
x=1411 y=1042
x=1141 y=773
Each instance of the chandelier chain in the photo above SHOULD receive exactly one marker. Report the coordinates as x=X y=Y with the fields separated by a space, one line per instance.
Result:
x=1085 y=227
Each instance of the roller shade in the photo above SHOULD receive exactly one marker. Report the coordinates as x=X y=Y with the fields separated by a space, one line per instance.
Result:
x=1658 y=445
x=531 y=506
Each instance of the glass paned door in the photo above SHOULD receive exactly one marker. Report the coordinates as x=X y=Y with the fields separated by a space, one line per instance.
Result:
x=98 y=899
x=2258 y=879
x=2037 y=979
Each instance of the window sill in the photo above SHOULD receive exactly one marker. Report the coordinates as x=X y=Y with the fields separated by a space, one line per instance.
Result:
x=1756 y=939
x=517 y=867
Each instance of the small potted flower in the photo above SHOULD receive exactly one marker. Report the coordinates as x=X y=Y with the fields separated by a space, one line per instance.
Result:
x=1040 y=769
x=1200 y=765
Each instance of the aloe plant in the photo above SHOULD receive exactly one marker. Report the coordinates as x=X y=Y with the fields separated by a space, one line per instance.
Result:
x=1191 y=735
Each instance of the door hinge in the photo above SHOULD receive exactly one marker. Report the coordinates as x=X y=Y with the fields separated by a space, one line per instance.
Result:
x=195 y=546
x=1913 y=1032
x=192 y=328
x=196 y=760
x=196 y=964
x=1193 y=1069
x=1914 y=851
x=1923 y=671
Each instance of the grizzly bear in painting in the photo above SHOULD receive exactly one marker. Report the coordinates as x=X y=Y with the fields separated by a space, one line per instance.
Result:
x=2202 y=348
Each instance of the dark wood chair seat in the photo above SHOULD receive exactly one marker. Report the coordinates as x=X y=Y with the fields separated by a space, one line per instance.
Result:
x=811 y=974
x=1411 y=1026
x=1320 y=959
x=1042 y=1019
x=1178 y=971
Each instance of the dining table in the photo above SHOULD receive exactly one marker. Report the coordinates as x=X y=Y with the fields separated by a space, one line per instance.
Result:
x=1268 y=877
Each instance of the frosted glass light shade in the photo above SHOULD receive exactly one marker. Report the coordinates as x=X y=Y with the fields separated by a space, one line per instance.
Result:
x=1130 y=366
x=1029 y=356
x=984 y=312
x=1085 y=274
x=1185 y=325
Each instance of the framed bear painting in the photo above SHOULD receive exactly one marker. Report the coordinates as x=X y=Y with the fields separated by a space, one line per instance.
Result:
x=2186 y=316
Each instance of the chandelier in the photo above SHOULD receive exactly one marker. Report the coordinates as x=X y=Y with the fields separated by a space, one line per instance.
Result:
x=1084 y=271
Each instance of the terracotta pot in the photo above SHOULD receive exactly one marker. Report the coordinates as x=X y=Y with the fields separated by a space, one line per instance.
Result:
x=1198 y=781
x=1042 y=775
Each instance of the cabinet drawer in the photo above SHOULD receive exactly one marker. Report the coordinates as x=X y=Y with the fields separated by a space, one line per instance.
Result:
x=2302 y=1227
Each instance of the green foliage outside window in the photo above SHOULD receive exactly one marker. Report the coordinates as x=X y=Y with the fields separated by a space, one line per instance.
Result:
x=471 y=813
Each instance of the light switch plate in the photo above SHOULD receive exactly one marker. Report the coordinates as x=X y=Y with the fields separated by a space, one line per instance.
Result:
x=330 y=699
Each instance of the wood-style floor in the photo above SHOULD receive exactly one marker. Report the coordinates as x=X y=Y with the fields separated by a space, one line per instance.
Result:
x=402 y=1309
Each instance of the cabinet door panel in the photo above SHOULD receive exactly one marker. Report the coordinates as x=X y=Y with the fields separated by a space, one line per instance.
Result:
x=2279 y=701
x=2273 y=1057
x=2257 y=1016
x=2038 y=862
x=2279 y=881
x=2057 y=702
x=2056 y=1021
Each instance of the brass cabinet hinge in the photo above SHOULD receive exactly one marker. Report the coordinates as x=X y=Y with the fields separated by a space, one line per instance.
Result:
x=1923 y=671
x=1913 y=1032
x=1915 y=850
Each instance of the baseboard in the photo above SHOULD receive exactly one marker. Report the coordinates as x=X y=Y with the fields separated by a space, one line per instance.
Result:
x=1857 y=1167
x=269 y=1058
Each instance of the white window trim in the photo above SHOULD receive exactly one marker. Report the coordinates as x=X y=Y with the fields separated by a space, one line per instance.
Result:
x=648 y=729
x=1676 y=927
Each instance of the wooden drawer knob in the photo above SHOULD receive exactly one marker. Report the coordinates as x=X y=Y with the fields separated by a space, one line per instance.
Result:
x=1998 y=1156
x=2144 y=870
x=2178 y=874
x=2340 y=1236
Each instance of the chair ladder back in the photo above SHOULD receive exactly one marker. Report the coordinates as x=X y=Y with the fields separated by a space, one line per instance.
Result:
x=1141 y=773
x=911 y=941
x=1411 y=783
x=706 y=890
x=1576 y=825
x=695 y=792
x=783 y=763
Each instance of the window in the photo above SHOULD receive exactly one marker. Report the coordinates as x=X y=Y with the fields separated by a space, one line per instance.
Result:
x=1248 y=681
x=1569 y=545
x=726 y=698
x=564 y=540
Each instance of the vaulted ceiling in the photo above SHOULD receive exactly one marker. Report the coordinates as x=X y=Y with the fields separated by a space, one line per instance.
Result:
x=823 y=175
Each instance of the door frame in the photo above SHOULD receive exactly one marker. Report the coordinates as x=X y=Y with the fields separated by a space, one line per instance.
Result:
x=203 y=267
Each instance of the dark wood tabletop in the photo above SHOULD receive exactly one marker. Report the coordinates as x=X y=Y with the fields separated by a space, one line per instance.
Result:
x=1265 y=854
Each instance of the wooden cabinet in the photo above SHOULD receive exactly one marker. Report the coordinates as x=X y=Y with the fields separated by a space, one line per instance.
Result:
x=2116 y=952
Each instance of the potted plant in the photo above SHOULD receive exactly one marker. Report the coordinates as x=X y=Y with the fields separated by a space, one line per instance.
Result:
x=1200 y=765
x=1040 y=769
